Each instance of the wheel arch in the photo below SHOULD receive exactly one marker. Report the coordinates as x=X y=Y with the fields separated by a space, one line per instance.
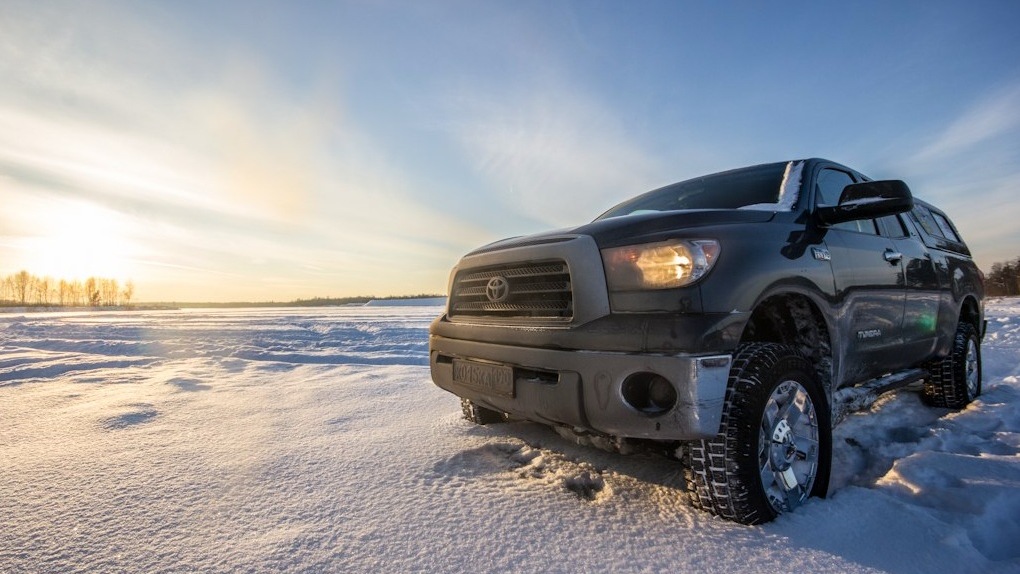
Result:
x=794 y=318
x=970 y=312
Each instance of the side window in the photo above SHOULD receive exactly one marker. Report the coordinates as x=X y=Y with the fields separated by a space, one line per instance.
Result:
x=892 y=226
x=924 y=218
x=828 y=187
x=947 y=230
x=830 y=184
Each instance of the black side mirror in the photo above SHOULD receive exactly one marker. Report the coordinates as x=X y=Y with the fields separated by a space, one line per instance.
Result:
x=868 y=200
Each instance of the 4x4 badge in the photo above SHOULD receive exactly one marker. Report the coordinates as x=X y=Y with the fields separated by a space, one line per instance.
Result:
x=497 y=289
x=821 y=253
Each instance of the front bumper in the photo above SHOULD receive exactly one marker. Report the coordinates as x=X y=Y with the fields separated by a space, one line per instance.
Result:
x=583 y=389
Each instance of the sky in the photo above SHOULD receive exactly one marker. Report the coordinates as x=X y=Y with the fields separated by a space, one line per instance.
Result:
x=269 y=151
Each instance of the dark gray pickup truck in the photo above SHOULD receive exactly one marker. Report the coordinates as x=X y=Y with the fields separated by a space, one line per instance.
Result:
x=731 y=318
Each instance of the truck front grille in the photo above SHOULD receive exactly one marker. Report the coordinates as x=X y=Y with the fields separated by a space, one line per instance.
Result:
x=520 y=290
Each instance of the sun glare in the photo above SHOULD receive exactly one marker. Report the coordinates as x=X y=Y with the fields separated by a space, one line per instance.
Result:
x=79 y=240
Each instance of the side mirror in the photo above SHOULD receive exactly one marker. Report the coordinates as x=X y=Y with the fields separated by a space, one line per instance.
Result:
x=868 y=200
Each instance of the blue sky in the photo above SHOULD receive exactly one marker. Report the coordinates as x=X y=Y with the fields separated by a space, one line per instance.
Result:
x=271 y=151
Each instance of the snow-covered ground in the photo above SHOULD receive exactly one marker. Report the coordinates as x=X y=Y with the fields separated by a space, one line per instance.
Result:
x=313 y=440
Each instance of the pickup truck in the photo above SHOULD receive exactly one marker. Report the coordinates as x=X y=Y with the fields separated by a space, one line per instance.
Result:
x=731 y=319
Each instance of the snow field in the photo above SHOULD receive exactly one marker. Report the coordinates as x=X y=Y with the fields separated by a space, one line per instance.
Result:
x=312 y=440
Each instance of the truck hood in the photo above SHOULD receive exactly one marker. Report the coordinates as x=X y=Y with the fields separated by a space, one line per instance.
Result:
x=631 y=229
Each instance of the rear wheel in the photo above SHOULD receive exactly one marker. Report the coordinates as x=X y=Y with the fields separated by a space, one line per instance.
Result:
x=480 y=415
x=955 y=380
x=774 y=448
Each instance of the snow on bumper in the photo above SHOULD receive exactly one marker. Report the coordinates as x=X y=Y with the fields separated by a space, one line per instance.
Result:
x=584 y=389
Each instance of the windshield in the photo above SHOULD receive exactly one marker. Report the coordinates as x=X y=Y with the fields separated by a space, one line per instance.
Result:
x=758 y=187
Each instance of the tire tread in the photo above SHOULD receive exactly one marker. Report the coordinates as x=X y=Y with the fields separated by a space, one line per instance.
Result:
x=946 y=387
x=711 y=471
x=480 y=415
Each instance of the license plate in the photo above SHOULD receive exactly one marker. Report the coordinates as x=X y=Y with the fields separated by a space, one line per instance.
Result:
x=488 y=378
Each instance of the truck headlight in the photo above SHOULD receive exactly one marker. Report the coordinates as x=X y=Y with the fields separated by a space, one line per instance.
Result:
x=662 y=265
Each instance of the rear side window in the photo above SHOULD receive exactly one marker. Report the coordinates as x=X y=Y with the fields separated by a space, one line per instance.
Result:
x=947 y=230
x=924 y=218
x=938 y=231
x=935 y=223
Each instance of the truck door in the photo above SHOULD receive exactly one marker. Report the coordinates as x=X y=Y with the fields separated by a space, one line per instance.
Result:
x=921 y=306
x=870 y=287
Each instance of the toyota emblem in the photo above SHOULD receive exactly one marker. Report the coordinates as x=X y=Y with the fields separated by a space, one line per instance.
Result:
x=497 y=289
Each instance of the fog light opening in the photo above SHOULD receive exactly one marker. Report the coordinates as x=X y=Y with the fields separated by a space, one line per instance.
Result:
x=649 y=393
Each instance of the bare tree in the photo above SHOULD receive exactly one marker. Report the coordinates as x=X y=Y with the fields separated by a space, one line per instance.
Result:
x=7 y=289
x=127 y=293
x=41 y=290
x=92 y=292
x=77 y=293
x=110 y=291
x=22 y=281
x=63 y=292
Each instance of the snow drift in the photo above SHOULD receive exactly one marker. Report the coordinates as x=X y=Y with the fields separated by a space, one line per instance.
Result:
x=313 y=440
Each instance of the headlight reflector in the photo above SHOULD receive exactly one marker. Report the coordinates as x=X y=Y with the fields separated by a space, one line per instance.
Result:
x=664 y=265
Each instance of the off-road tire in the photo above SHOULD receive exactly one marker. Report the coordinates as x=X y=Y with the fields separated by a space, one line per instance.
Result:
x=480 y=415
x=955 y=379
x=727 y=475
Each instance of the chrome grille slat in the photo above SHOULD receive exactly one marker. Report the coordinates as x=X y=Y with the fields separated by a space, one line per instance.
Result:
x=519 y=272
x=529 y=288
x=538 y=291
x=486 y=306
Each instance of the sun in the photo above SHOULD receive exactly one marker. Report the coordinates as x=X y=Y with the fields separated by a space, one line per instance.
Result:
x=76 y=240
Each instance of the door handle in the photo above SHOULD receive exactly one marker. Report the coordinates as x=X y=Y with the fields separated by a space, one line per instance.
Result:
x=892 y=256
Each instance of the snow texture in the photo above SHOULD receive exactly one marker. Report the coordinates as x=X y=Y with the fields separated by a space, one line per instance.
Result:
x=312 y=440
x=789 y=190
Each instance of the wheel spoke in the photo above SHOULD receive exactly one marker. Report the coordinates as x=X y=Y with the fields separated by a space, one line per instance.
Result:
x=784 y=406
x=807 y=448
x=793 y=497
x=794 y=412
x=768 y=476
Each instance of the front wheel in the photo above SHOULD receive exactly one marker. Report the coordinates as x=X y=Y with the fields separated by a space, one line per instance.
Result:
x=774 y=448
x=480 y=415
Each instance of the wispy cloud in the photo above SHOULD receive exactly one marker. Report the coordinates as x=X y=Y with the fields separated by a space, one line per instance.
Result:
x=972 y=169
x=551 y=152
x=217 y=164
x=992 y=117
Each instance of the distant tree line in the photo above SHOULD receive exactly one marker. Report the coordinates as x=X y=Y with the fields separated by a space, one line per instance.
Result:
x=1004 y=279
x=25 y=289
x=357 y=300
x=313 y=302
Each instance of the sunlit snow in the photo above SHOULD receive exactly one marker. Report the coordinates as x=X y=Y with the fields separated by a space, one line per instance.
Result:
x=313 y=440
